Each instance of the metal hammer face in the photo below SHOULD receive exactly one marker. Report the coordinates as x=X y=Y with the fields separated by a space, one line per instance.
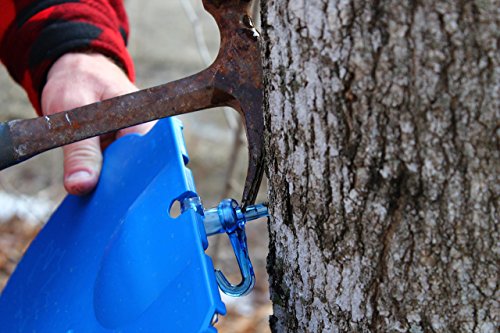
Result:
x=234 y=80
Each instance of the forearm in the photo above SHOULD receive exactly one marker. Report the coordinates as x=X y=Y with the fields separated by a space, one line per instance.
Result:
x=34 y=34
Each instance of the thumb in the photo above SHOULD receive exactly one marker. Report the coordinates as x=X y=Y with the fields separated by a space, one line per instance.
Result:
x=82 y=160
x=74 y=80
x=82 y=165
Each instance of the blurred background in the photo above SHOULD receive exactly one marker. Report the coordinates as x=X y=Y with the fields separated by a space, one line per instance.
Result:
x=169 y=40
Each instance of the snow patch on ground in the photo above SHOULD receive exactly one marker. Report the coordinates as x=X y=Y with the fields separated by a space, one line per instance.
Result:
x=33 y=210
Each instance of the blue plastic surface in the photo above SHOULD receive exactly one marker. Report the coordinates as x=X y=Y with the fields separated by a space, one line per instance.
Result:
x=115 y=261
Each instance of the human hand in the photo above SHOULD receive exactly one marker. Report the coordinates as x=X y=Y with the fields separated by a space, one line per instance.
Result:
x=78 y=79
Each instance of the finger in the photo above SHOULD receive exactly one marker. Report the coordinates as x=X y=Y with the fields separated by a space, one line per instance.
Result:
x=82 y=166
x=139 y=129
x=126 y=88
x=107 y=139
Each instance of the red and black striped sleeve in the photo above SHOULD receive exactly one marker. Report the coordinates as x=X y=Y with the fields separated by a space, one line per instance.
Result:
x=35 y=33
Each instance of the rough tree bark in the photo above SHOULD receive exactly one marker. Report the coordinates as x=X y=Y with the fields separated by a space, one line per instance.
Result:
x=383 y=141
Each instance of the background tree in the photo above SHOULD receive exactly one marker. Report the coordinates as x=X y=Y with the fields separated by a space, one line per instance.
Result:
x=383 y=128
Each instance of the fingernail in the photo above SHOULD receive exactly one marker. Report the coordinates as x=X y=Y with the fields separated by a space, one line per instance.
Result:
x=78 y=176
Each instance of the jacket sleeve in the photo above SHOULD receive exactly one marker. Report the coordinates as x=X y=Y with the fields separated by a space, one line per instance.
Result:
x=35 y=33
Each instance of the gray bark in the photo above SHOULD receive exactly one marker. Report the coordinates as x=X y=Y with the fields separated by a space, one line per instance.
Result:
x=383 y=142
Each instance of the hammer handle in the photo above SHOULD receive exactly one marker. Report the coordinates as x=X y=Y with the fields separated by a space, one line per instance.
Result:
x=7 y=153
x=23 y=139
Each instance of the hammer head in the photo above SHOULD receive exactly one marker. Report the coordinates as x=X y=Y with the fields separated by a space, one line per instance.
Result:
x=238 y=80
x=238 y=6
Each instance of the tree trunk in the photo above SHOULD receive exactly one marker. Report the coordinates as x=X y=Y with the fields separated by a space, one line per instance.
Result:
x=383 y=141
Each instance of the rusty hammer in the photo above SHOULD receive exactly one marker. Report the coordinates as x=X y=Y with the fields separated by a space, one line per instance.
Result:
x=234 y=80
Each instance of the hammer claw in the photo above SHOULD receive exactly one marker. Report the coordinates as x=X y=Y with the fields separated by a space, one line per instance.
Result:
x=251 y=110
